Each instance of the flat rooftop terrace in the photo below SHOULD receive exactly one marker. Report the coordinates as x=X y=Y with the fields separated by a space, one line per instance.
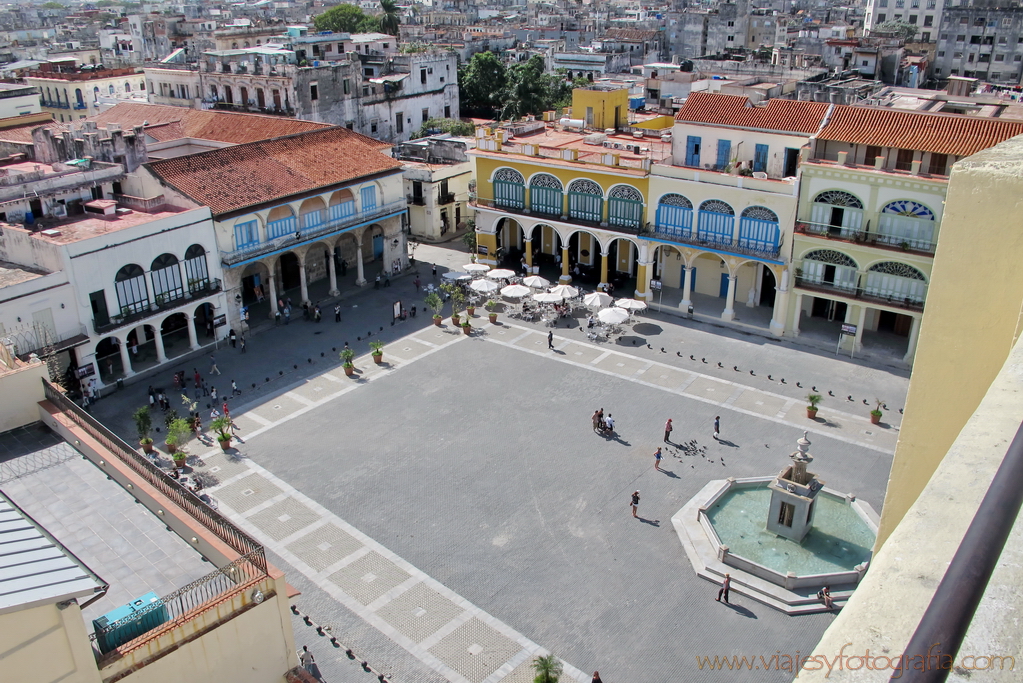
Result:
x=89 y=225
x=13 y=274
x=94 y=518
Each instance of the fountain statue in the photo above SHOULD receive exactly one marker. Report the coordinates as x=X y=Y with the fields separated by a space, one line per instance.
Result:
x=793 y=494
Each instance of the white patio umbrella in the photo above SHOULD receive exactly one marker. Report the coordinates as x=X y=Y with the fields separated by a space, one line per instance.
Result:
x=598 y=299
x=484 y=286
x=613 y=316
x=631 y=304
x=548 y=297
x=566 y=291
x=501 y=274
x=455 y=275
x=475 y=268
x=515 y=291
x=536 y=282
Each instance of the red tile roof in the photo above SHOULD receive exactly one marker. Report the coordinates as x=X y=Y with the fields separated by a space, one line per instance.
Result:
x=734 y=110
x=221 y=126
x=243 y=176
x=939 y=133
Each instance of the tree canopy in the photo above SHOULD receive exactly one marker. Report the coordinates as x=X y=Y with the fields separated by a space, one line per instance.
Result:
x=346 y=19
x=487 y=88
x=390 y=18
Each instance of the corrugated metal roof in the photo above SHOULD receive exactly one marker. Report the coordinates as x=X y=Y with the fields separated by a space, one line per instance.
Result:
x=939 y=133
x=35 y=569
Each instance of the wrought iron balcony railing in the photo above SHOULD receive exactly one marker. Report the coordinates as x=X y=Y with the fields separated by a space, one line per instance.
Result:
x=164 y=302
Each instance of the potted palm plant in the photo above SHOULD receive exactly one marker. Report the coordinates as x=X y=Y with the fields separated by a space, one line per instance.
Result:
x=548 y=669
x=490 y=306
x=811 y=409
x=875 y=414
x=222 y=428
x=435 y=304
x=466 y=327
x=177 y=433
x=377 y=351
x=347 y=358
x=144 y=425
x=457 y=301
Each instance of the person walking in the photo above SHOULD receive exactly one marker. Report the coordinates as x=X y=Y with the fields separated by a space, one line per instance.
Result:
x=235 y=391
x=657 y=459
x=277 y=317
x=287 y=315
x=316 y=313
x=213 y=365
x=717 y=427
x=416 y=282
x=213 y=394
x=595 y=419
x=205 y=390
x=376 y=283
x=242 y=340
x=337 y=313
x=596 y=678
x=227 y=411
x=550 y=340
x=635 y=502
x=234 y=338
x=435 y=271
x=198 y=378
x=667 y=432
x=725 y=587
x=308 y=663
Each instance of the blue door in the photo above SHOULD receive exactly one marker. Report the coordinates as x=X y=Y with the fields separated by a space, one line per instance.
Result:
x=760 y=159
x=378 y=246
x=693 y=151
x=724 y=286
x=724 y=152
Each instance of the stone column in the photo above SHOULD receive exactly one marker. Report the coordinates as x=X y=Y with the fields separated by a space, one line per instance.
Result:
x=334 y=291
x=303 y=289
x=529 y=255
x=781 y=304
x=603 y=269
x=125 y=358
x=914 y=336
x=565 y=276
x=729 y=312
x=687 y=289
x=271 y=283
x=161 y=354
x=193 y=338
x=643 y=276
x=861 y=321
x=798 y=312
x=360 y=278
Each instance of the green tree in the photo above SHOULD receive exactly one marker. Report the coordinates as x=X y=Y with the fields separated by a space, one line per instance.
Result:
x=55 y=5
x=369 y=24
x=548 y=669
x=530 y=90
x=390 y=19
x=480 y=84
x=903 y=29
x=450 y=126
x=340 y=18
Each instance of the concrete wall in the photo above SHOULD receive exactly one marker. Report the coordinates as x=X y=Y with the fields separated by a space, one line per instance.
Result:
x=972 y=320
x=46 y=643
x=22 y=388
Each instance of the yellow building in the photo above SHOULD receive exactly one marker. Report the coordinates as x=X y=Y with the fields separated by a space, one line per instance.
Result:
x=871 y=201
x=601 y=107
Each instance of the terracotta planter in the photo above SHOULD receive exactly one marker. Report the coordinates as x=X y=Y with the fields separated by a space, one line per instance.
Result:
x=471 y=310
x=466 y=329
x=225 y=444
x=147 y=447
x=455 y=320
x=875 y=419
x=811 y=413
x=349 y=370
x=493 y=318
x=180 y=464
x=436 y=320
x=171 y=448
x=378 y=358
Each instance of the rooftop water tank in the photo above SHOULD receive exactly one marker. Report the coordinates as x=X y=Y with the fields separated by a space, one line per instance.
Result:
x=572 y=123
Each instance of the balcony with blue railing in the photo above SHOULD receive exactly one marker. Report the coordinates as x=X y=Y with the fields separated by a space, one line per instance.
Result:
x=285 y=233
x=686 y=234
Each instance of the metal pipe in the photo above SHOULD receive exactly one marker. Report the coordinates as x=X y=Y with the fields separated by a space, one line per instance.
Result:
x=947 y=618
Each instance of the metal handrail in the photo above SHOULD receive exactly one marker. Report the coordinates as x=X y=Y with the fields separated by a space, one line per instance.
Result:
x=947 y=618
x=221 y=527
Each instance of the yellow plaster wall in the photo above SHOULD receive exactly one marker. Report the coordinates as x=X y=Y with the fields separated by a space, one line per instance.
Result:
x=603 y=104
x=22 y=389
x=971 y=322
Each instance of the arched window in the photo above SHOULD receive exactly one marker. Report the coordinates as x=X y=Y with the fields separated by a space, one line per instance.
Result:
x=368 y=197
x=585 y=200
x=546 y=195
x=213 y=91
x=281 y=222
x=342 y=205
x=312 y=213
x=509 y=189
x=127 y=86
x=79 y=99
x=132 y=293
x=228 y=95
x=625 y=206
x=716 y=223
x=758 y=230
x=675 y=216
x=829 y=268
x=895 y=281
x=837 y=212
x=196 y=272
x=111 y=89
x=907 y=224
x=166 y=279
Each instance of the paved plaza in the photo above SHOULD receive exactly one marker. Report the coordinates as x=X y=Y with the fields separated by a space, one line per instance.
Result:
x=450 y=513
